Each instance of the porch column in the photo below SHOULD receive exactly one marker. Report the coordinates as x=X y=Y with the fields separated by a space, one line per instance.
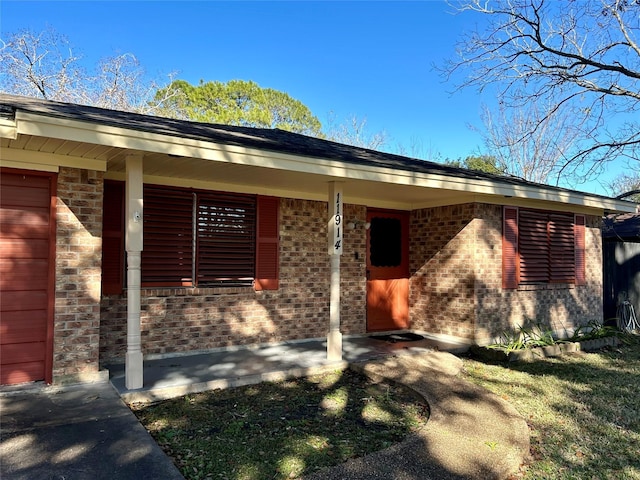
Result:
x=335 y=234
x=133 y=360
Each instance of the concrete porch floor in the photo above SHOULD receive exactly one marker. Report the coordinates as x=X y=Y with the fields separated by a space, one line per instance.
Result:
x=178 y=375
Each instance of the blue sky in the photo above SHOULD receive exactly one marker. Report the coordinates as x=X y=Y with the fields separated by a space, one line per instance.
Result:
x=371 y=59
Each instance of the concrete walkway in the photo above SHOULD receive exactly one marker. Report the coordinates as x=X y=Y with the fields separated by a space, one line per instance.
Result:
x=77 y=433
x=471 y=433
x=88 y=432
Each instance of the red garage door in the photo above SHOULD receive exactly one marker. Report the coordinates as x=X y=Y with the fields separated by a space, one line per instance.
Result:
x=27 y=243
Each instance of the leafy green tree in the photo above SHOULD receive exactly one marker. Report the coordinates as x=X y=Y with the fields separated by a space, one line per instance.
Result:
x=239 y=102
x=481 y=163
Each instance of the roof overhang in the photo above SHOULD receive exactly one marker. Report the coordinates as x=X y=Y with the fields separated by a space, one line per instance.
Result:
x=39 y=141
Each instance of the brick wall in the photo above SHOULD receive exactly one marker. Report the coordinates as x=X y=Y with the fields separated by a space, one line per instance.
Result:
x=561 y=307
x=456 y=288
x=78 y=258
x=441 y=298
x=177 y=320
x=456 y=284
x=353 y=269
x=494 y=309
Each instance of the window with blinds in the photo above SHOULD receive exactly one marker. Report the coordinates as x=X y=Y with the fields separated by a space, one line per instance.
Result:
x=542 y=247
x=225 y=229
x=195 y=238
x=167 y=255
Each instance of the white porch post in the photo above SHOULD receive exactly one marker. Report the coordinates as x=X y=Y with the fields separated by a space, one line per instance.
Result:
x=335 y=234
x=133 y=225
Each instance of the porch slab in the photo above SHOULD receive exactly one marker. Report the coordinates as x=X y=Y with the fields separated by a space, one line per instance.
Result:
x=179 y=375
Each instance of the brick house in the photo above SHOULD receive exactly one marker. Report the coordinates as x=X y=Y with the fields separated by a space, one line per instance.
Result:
x=126 y=237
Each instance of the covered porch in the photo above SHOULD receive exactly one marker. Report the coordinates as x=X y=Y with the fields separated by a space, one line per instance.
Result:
x=174 y=376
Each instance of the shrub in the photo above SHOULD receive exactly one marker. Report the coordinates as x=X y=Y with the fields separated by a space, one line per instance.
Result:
x=537 y=335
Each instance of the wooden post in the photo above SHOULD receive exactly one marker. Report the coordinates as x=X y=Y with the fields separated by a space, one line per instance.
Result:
x=335 y=240
x=133 y=225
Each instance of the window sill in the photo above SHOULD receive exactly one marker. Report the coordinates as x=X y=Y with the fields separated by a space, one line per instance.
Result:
x=546 y=286
x=194 y=291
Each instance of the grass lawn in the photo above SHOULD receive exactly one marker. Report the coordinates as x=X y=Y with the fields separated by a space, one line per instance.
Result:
x=282 y=429
x=583 y=411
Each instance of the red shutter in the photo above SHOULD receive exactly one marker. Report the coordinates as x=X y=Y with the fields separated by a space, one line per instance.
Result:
x=267 y=244
x=561 y=248
x=533 y=230
x=510 y=248
x=113 y=238
x=580 y=250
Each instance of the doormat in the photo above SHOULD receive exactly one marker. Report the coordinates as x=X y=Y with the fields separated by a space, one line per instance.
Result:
x=399 y=337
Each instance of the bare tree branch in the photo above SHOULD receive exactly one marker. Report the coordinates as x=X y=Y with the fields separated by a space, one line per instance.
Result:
x=353 y=131
x=626 y=182
x=530 y=143
x=581 y=57
x=44 y=65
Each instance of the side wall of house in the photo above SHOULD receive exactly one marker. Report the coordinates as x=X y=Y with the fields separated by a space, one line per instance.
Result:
x=179 y=320
x=560 y=307
x=456 y=278
x=76 y=332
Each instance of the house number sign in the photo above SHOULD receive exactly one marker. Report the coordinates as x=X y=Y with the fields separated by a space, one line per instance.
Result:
x=336 y=220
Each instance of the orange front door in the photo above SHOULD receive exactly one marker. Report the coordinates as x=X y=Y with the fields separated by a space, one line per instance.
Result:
x=387 y=270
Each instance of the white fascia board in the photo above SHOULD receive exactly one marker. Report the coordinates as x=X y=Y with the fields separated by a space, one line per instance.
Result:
x=28 y=157
x=8 y=129
x=75 y=130
x=598 y=210
x=259 y=190
x=37 y=167
x=230 y=187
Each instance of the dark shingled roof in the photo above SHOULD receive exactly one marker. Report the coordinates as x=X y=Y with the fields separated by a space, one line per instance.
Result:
x=261 y=138
x=622 y=227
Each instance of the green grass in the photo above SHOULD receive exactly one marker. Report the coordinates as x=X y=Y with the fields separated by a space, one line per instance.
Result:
x=282 y=429
x=583 y=411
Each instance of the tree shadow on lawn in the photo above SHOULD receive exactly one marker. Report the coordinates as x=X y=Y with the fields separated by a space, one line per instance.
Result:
x=283 y=429
x=582 y=410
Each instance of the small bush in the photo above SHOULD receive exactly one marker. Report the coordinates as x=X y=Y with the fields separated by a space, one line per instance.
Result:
x=593 y=330
x=525 y=337
x=537 y=335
